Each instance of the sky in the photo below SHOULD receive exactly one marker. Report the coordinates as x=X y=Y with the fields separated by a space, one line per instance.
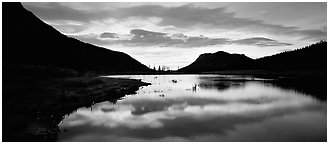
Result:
x=174 y=34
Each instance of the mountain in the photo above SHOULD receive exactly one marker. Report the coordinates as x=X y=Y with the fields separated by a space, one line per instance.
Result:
x=313 y=57
x=29 y=41
x=218 y=61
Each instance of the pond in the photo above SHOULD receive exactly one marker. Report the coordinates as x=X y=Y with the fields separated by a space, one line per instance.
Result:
x=202 y=108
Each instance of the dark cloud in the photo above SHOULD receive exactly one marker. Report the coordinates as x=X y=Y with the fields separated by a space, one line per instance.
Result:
x=141 y=37
x=142 y=33
x=145 y=38
x=109 y=35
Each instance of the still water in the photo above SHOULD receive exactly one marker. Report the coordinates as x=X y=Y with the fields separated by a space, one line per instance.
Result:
x=201 y=108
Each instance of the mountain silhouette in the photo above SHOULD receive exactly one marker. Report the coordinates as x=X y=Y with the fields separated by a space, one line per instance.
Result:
x=29 y=41
x=313 y=57
x=218 y=61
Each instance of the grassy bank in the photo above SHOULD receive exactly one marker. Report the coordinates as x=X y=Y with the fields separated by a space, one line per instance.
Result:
x=35 y=100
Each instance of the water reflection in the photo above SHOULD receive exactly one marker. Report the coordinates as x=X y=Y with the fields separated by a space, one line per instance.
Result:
x=194 y=108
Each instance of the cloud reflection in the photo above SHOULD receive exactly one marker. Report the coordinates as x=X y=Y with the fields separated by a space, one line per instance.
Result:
x=124 y=115
x=184 y=116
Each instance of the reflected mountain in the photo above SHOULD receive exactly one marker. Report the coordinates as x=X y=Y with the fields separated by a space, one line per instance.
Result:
x=315 y=86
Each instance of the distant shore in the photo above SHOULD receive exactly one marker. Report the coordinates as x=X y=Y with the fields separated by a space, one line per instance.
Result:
x=231 y=72
x=307 y=81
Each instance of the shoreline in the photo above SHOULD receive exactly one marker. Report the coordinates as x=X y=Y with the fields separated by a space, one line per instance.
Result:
x=231 y=72
x=42 y=114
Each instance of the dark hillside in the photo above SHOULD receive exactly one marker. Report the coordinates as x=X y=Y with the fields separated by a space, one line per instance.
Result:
x=47 y=75
x=313 y=57
x=218 y=61
x=29 y=41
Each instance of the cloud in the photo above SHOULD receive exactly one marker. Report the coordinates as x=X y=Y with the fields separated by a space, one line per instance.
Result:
x=139 y=37
x=186 y=16
x=68 y=26
x=260 y=41
x=109 y=35
x=58 y=11
x=315 y=35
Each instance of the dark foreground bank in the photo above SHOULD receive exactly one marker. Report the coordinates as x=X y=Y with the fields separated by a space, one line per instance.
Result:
x=35 y=99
